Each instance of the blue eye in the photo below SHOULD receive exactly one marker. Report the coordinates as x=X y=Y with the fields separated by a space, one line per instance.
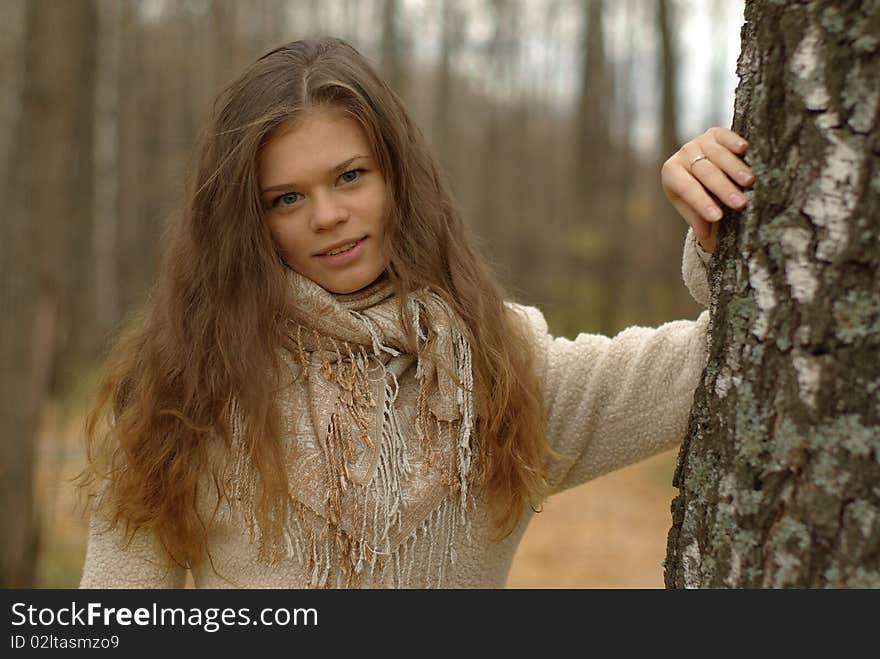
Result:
x=287 y=199
x=351 y=176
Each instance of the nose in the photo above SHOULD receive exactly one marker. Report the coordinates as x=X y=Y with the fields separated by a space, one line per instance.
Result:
x=327 y=211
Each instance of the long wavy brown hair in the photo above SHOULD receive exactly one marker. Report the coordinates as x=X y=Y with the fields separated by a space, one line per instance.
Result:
x=210 y=329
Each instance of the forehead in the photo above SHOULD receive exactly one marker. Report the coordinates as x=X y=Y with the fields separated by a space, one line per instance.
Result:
x=311 y=146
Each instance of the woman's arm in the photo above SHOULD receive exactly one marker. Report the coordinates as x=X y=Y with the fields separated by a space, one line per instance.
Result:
x=614 y=401
x=611 y=402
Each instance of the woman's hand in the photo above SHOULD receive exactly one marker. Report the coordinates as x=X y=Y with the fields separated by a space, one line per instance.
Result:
x=704 y=173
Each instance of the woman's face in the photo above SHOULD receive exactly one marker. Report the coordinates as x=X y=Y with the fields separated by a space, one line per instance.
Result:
x=323 y=191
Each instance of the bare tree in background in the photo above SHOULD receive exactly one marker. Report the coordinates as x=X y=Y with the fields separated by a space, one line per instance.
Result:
x=134 y=179
x=391 y=60
x=12 y=18
x=224 y=16
x=668 y=227
x=493 y=202
x=108 y=302
x=451 y=38
x=779 y=475
x=669 y=141
x=42 y=197
x=625 y=171
x=593 y=172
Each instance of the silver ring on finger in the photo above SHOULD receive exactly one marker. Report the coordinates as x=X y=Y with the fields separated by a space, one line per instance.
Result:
x=695 y=161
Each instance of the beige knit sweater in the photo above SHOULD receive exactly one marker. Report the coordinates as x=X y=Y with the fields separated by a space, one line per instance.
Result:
x=610 y=402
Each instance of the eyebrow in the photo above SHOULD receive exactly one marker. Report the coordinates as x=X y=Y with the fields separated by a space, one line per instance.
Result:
x=338 y=168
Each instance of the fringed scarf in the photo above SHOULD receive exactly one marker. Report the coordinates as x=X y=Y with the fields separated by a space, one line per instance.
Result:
x=379 y=473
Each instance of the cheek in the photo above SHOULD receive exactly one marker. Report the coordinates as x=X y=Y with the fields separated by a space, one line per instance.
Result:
x=275 y=233
x=282 y=237
x=381 y=208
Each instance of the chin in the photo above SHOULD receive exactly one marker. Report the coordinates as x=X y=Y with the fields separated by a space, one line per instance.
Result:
x=352 y=286
x=345 y=290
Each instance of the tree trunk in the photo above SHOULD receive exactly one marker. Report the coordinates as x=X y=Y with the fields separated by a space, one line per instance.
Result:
x=41 y=200
x=108 y=310
x=668 y=76
x=133 y=175
x=451 y=39
x=491 y=203
x=12 y=36
x=779 y=474
x=592 y=175
x=79 y=339
x=392 y=47
x=668 y=229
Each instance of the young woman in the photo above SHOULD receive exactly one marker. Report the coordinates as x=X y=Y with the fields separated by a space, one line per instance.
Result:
x=328 y=388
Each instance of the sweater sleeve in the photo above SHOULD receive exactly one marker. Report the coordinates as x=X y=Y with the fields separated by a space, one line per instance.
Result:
x=614 y=401
x=113 y=562
x=695 y=269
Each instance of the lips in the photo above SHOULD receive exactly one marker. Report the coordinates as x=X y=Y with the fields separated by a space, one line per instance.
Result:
x=342 y=243
x=343 y=259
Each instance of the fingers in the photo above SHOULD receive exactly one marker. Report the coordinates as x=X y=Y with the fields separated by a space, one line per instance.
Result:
x=728 y=163
x=709 y=160
x=710 y=173
x=705 y=171
x=721 y=146
x=680 y=184
x=728 y=139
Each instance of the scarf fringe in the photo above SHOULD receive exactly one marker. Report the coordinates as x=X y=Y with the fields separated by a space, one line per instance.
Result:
x=331 y=557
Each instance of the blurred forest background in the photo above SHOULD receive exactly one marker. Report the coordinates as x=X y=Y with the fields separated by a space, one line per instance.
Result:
x=552 y=118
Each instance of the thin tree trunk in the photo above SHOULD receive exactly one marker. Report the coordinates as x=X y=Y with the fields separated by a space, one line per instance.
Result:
x=133 y=174
x=41 y=200
x=593 y=176
x=668 y=228
x=108 y=311
x=668 y=74
x=452 y=25
x=79 y=339
x=12 y=36
x=392 y=46
x=779 y=473
x=489 y=216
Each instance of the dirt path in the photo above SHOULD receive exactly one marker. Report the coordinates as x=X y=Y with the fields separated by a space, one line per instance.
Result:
x=609 y=533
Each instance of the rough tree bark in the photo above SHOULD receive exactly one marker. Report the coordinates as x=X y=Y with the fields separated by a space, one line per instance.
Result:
x=779 y=476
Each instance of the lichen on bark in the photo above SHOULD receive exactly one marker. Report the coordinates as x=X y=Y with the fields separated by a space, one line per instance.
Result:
x=779 y=475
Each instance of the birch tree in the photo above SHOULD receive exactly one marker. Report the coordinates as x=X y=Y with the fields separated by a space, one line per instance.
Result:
x=779 y=476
